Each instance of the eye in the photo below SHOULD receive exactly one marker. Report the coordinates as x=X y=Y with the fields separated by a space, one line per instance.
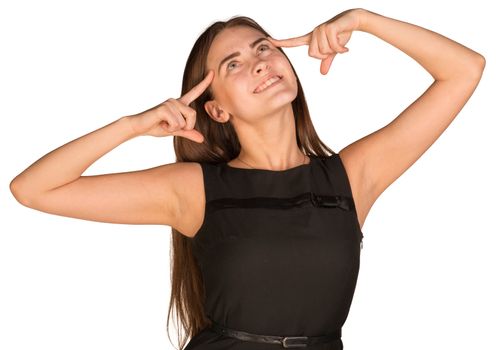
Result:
x=229 y=64
x=263 y=45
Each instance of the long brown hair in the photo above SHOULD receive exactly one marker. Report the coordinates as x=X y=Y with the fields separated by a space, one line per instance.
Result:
x=220 y=144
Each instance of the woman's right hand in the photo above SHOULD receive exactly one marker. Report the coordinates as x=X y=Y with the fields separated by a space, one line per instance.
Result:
x=172 y=117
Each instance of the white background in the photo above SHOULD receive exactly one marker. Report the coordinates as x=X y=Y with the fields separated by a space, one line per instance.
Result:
x=70 y=67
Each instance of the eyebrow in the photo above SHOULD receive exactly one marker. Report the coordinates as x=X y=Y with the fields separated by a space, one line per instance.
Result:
x=237 y=53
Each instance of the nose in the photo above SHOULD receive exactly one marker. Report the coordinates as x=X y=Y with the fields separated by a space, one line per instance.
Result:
x=261 y=66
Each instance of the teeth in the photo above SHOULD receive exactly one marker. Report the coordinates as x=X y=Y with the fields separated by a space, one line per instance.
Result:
x=267 y=84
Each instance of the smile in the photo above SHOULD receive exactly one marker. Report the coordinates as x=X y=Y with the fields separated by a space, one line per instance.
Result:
x=272 y=81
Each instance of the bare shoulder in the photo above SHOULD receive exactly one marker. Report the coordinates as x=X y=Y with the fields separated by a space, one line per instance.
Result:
x=190 y=194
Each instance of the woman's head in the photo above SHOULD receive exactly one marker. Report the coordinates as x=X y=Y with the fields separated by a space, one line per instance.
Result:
x=227 y=95
x=236 y=78
x=231 y=93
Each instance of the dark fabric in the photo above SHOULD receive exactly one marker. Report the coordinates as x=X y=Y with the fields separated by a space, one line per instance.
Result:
x=279 y=252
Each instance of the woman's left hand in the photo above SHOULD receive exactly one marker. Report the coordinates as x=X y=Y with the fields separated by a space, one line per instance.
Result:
x=327 y=39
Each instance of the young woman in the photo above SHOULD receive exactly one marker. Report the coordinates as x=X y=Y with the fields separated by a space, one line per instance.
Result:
x=266 y=219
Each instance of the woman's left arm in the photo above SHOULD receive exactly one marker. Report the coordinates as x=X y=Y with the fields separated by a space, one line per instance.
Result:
x=382 y=156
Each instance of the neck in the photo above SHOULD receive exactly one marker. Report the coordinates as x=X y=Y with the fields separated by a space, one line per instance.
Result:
x=303 y=160
x=269 y=143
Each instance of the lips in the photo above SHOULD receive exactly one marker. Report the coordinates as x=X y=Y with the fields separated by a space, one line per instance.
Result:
x=262 y=84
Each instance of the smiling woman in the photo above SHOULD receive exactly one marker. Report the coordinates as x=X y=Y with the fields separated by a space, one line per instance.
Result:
x=236 y=97
x=256 y=91
x=241 y=103
x=266 y=219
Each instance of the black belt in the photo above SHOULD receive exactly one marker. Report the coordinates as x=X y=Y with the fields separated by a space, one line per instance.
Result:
x=286 y=342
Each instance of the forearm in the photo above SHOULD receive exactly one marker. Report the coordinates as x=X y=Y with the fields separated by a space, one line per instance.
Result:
x=66 y=163
x=443 y=58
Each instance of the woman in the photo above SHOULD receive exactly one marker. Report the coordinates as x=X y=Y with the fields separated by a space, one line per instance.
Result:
x=266 y=219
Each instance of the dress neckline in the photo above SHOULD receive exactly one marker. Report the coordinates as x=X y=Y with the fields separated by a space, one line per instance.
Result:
x=301 y=166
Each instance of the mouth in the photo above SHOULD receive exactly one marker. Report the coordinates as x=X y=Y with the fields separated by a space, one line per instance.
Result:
x=268 y=83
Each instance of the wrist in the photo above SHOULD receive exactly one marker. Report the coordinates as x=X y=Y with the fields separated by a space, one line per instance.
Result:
x=128 y=121
x=363 y=16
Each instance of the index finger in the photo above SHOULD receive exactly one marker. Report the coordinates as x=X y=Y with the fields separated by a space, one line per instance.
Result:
x=292 y=42
x=198 y=89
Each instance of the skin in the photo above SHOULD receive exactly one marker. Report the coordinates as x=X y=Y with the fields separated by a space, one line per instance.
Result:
x=264 y=122
x=378 y=159
x=375 y=161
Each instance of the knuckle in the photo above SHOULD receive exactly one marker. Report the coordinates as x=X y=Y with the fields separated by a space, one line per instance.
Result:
x=192 y=121
x=313 y=53
x=188 y=122
x=162 y=110
x=181 y=100
x=327 y=50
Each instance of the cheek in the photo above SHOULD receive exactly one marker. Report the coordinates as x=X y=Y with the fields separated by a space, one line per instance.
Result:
x=238 y=85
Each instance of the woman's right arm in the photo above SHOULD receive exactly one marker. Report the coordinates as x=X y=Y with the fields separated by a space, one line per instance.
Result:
x=54 y=183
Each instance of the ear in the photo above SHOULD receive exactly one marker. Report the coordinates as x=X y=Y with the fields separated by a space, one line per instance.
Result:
x=216 y=112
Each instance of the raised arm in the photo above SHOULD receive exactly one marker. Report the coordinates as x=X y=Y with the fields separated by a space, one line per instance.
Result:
x=54 y=183
x=377 y=160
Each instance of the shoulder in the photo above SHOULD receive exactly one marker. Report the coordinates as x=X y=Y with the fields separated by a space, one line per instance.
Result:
x=186 y=179
x=188 y=184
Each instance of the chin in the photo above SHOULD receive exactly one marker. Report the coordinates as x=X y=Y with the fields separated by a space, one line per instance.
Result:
x=284 y=97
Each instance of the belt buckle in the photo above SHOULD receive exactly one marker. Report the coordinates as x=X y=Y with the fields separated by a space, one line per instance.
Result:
x=290 y=345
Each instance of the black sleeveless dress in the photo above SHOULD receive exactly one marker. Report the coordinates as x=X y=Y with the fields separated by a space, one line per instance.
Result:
x=279 y=252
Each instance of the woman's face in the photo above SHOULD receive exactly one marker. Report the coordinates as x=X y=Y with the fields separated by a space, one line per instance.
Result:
x=235 y=81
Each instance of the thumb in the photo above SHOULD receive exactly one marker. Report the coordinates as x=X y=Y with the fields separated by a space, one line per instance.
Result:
x=326 y=63
x=193 y=135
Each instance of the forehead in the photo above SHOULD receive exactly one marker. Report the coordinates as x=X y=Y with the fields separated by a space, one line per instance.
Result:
x=231 y=40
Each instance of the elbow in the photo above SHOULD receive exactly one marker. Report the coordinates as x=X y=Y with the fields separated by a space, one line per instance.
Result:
x=18 y=194
x=472 y=68
x=473 y=71
x=480 y=64
x=14 y=189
